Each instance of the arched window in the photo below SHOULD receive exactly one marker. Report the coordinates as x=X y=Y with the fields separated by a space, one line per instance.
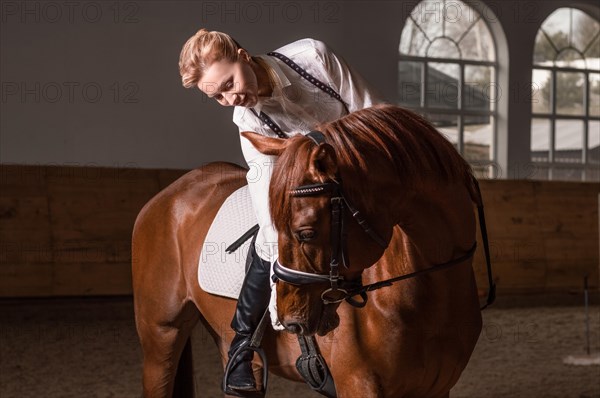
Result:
x=448 y=72
x=565 y=127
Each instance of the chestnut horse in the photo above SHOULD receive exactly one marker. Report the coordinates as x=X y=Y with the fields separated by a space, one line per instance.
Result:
x=412 y=338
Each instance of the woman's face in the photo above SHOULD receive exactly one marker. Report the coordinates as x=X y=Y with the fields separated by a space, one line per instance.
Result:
x=231 y=83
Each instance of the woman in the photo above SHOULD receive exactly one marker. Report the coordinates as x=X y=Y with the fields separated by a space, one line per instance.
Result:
x=285 y=92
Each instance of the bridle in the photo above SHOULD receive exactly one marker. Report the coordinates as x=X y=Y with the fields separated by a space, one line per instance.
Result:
x=340 y=288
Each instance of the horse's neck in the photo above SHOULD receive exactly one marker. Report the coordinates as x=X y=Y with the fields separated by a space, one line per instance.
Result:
x=430 y=230
x=438 y=223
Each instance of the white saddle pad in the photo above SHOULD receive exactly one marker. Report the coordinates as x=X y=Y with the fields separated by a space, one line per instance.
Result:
x=219 y=272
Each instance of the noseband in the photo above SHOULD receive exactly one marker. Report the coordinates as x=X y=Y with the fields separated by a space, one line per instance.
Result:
x=341 y=289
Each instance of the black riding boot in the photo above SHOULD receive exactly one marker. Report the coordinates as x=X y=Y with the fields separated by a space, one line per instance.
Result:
x=251 y=305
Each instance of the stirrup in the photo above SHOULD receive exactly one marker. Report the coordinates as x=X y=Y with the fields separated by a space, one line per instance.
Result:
x=253 y=345
x=246 y=346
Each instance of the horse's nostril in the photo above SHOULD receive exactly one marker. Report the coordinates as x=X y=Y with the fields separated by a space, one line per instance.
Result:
x=295 y=328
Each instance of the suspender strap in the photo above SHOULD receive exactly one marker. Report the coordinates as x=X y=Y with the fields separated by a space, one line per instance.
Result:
x=269 y=122
x=316 y=82
x=305 y=75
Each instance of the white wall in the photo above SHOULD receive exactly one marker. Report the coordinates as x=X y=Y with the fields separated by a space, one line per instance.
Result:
x=56 y=55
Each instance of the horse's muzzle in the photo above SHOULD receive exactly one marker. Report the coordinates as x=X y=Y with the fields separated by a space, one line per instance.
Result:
x=328 y=321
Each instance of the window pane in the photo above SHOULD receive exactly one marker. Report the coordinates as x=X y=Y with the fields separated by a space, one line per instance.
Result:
x=486 y=171
x=584 y=29
x=570 y=92
x=570 y=59
x=592 y=174
x=478 y=136
x=479 y=92
x=458 y=17
x=409 y=80
x=594 y=142
x=443 y=48
x=540 y=172
x=566 y=174
x=447 y=125
x=540 y=140
x=413 y=41
x=543 y=53
x=564 y=36
x=541 y=91
x=593 y=52
x=442 y=85
x=452 y=20
x=568 y=147
x=477 y=44
x=594 y=101
x=428 y=14
x=557 y=27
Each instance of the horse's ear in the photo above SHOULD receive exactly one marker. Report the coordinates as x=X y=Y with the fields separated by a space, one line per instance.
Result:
x=266 y=145
x=323 y=160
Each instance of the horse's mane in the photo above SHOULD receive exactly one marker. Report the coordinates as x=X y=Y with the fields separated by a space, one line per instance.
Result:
x=407 y=142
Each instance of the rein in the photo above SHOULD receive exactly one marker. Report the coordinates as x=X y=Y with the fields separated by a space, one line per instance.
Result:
x=341 y=289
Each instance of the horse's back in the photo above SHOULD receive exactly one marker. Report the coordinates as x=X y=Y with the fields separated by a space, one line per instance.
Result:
x=171 y=227
x=194 y=189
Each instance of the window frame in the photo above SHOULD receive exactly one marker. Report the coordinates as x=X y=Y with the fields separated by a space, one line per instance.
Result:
x=459 y=112
x=551 y=165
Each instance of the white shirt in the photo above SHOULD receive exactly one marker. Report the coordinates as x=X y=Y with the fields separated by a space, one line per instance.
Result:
x=297 y=106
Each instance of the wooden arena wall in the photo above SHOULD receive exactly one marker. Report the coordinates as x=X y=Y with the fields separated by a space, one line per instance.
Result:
x=66 y=231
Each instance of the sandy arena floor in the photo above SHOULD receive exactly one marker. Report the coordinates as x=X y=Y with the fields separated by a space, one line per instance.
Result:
x=88 y=348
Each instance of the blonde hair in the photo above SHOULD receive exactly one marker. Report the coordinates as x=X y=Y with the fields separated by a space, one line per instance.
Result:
x=201 y=50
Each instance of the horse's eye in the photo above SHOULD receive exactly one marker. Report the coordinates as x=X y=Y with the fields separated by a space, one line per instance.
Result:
x=305 y=235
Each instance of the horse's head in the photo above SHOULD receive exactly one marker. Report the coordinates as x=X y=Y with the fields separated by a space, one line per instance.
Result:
x=322 y=250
